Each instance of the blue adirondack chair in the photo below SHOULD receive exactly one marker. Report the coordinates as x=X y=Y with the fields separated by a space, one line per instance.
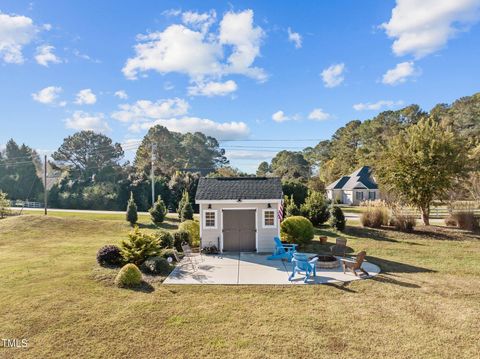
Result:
x=301 y=263
x=283 y=251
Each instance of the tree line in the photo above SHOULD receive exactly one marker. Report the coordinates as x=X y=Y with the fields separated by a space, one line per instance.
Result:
x=90 y=171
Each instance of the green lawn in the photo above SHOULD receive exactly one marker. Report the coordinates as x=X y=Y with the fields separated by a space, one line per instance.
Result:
x=425 y=303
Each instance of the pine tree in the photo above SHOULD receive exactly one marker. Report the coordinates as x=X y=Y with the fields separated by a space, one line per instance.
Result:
x=139 y=246
x=132 y=215
x=158 y=211
x=291 y=208
x=187 y=212
x=185 y=199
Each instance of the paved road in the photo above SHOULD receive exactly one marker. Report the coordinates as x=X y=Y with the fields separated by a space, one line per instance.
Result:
x=72 y=210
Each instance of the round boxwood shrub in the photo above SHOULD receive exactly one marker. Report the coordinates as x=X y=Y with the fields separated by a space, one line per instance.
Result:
x=297 y=229
x=129 y=276
x=165 y=239
x=168 y=253
x=337 y=220
x=156 y=265
x=179 y=237
x=193 y=228
x=109 y=255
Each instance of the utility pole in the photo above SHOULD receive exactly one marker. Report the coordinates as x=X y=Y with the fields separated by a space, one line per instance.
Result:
x=45 y=183
x=152 y=173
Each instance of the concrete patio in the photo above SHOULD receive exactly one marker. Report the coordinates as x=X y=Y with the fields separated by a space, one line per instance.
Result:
x=252 y=268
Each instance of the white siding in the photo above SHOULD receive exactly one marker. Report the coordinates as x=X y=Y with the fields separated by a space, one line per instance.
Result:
x=213 y=236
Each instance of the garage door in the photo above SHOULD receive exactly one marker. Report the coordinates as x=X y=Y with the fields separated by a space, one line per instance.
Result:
x=239 y=230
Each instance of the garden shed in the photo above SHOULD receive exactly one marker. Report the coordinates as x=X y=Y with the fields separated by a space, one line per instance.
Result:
x=239 y=214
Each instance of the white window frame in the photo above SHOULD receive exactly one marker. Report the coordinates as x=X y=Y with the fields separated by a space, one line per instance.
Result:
x=214 y=211
x=274 y=217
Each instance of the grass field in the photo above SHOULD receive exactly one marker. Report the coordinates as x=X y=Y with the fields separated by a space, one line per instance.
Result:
x=424 y=304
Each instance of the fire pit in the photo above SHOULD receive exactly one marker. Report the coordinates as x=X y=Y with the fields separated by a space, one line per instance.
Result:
x=327 y=261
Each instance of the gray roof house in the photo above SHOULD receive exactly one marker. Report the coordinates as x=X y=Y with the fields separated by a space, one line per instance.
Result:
x=239 y=213
x=354 y=188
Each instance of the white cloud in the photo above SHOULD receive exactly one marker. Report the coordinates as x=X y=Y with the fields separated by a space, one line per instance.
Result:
x=423 y=27
x=333 y=75
x=248 y=154
x=200 y=21
x=199 y=53
x=280 y=116
x=145 y=110
x=212 y=88
x=85 y=97
x=400 y=73
x=45 y=55
x=121 y=94
x=295 y=37
x=15 y=33
x=238 y=30
x=220 y=130
x=172 y=113
x=84 y=121
x=375 y=106
x=318 y=114
x=48 y=95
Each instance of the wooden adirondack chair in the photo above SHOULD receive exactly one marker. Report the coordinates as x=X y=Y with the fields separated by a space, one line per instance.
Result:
x=301 y=263
x=340 y=247
x=283 y=251
x=354 y=264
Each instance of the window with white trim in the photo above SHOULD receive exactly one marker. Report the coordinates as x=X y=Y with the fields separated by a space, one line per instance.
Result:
x=269 y=218
x=210 y=220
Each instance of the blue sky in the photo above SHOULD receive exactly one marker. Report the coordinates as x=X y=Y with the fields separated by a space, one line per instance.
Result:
x=240 y=71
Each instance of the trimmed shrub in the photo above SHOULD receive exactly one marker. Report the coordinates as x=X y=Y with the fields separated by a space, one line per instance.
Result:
x=131 y=214
x=315 y=208
x=156 y=265
x=165 y=239
x=158 y=211
x=297 y=229
x=139 y=246
x=193 y=228
x=187 y=212
x=129 y=276
x=168 y=252
x=404 y=223
x=466 y=220
x=179 y=237
x=374 y=217
x=337 y=219
x=109 y=255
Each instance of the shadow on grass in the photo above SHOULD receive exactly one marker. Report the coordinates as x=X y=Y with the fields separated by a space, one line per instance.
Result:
x=165 y=225
x=368 y=233
x=316 y=247
x=341 y=286
x=325 y=231
x=389 y=280
x=388 y=266
x=144 y=287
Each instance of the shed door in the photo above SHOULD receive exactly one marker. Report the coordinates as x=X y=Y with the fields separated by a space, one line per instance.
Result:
x=239 y=230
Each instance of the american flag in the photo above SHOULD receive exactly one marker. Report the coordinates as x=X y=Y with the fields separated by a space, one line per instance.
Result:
x=280 y=211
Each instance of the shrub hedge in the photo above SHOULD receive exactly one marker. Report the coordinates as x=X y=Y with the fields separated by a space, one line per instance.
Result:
x=297 y=229
x=109 y=255
x=156 y=265
x=179 y=237
x=337 y=219
x=165 y=239
x=193 y=228
x=129 y=276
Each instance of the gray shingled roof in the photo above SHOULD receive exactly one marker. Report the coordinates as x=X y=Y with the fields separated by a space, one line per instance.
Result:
x=359 y=179
x=234 y=188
